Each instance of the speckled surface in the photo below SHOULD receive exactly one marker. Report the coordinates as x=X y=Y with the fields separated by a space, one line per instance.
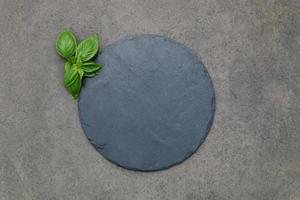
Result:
x=151 y=106
x=251 y=51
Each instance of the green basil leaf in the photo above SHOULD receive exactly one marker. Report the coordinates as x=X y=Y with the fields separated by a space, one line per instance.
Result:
x=88 y=48
x=74 y=88
x=92 y=74
x=91 y=69
x=71 y=74
x=72 y=79
x=66 y=43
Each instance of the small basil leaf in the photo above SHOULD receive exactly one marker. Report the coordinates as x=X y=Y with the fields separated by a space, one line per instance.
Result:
x=66 y=43
x=91 y=74
x=88 y=48
x=71 y=74
x=74 y=88
x=72 y=79
x=91 y=69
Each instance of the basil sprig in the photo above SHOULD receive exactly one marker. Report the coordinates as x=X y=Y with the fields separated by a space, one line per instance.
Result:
x=78 y=64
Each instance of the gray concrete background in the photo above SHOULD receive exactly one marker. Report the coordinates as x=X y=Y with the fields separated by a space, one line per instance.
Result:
x=251 y=50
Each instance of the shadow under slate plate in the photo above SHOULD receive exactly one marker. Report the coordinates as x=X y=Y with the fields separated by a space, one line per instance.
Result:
x=150 y=107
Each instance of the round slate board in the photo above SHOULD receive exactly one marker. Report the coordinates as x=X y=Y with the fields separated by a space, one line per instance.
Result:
x=150 y=107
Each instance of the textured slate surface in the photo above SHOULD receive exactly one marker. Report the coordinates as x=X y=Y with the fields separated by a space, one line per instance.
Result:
x=150 y=107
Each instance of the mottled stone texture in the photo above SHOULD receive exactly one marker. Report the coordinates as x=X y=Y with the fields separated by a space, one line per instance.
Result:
x=251 y=50
x=151 y=106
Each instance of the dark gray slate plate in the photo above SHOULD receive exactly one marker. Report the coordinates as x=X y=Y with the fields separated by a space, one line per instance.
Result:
x=151 y=106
